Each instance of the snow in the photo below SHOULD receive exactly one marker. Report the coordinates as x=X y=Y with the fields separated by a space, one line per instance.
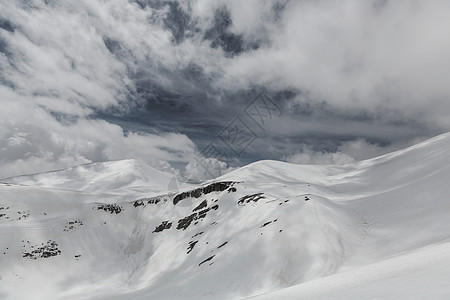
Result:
x=126 y=176
x=374 y=229
x=420 y=275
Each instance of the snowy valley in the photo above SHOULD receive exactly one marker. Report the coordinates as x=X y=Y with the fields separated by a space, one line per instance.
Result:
x=375 y=229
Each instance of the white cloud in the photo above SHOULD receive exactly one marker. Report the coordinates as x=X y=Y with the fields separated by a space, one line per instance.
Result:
x=205 y=168
x=309 y=157
x=386 y=58
x=59 y=68
x=44 y=144
x=347 y=152
x=31 y=140
x=356 y=54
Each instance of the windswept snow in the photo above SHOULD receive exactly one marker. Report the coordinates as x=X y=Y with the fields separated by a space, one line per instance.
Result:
x=116 y=230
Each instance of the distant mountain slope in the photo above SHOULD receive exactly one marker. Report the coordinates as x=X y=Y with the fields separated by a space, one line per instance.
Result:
x=358 y=230
x=124 y=175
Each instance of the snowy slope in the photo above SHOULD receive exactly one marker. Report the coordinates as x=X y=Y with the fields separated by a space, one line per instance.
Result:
x=125 y=176
x=422 y=274
x=373 y=229
x=405 y=198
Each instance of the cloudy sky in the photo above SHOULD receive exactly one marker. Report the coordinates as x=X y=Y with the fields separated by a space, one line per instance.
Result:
x=189 y=85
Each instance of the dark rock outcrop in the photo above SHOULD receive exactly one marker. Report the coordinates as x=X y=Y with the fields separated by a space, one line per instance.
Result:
x=208 y=259
x=249 y=198
x=201 y=205
x=191 y=246
x=213 y=187
x=186 y=221
x=222 y=245
x=112 y=208
x=48 y=250
x=162 y=226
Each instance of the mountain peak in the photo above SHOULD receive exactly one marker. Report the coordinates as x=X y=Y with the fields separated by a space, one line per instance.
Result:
x=264 y=227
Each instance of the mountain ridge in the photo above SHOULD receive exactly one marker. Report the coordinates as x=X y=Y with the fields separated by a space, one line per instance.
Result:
x=264 y=227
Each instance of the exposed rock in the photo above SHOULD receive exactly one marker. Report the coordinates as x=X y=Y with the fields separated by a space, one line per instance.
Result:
x=153 y=200
x=138 y=203
x=191 y=246
x=112 y=208
x=162 y=226
x=186 y=221
x=265 y=224
x=254 y=197
x=23 y=215
x=213 y=187
x=202 y=213
x=208 y=259
x=71 y=225
x=201 y=205
x=231 y=190
x=197 y=234
x=222 y=245
x=48 y=250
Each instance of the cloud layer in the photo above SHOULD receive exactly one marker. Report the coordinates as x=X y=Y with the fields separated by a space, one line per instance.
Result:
x=160 y=80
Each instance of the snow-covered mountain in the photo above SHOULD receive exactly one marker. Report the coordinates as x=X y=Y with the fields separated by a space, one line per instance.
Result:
x=125 y=176
x=271 y=230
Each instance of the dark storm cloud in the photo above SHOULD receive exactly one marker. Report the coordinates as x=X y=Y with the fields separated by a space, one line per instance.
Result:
x=176 y=17
x=220 y=35
x=170 y=76
x=6 y=25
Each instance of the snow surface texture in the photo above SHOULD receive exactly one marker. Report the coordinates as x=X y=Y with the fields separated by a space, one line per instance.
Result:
x=377 y=229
